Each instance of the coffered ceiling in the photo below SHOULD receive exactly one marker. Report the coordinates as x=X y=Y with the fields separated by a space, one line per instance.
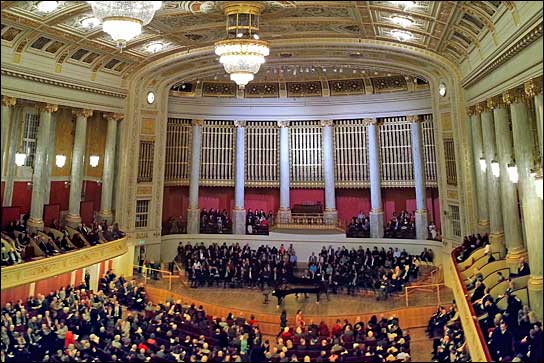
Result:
x=448 y=28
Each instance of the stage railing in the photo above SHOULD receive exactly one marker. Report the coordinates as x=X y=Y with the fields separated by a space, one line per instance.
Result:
x=146 y=272
x=432 y=290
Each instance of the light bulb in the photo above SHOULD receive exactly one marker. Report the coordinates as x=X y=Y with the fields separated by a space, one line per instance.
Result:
x=495 y=168
x=513 y=173
x=20 y=158
x=60 y=160
x=93 y=160
x=483 y=164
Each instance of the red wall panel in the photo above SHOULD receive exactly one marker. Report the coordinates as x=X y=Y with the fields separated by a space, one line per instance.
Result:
x=175 y=202
x=53 y=283
x=50 y=213
x=86 y=212
x=10 y=214
x=22 y=196
x=15 y=293
x=298 y=196
x=60 y=194
x=79 y=277
x=93 y=193
x=349 y=202
x=216 y=198
x=267 y=199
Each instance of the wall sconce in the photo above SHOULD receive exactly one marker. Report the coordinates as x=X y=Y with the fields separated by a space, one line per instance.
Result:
x=93 y=160
x=20 y=158
x=67 y=184
x=483 y=164
x=495 y=168
x=29 y=185
x=99 y=181
x=513 y=172
x=60 y=160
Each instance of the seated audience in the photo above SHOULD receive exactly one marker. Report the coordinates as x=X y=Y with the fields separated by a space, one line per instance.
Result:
x=214 y=221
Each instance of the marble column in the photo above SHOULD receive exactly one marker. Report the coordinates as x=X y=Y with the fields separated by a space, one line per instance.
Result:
x=330 y=215
x=50 y=159
x=193 y=213
x=73 y=219
x=7 y=112
x=496 y=228
x=35 y=221
x=419 y=176
x=109 y=171
x=11 y=167
x=284 y=214
x=509 y=191
x=376 y=211
x=533 y=89
x=481 y=177
x=524 y=145
x=239 y=213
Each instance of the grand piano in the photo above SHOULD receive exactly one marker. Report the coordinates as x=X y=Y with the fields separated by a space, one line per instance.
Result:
x=298 y=285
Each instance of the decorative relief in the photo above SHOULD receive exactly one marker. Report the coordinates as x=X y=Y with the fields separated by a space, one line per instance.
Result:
x=148 y=126
x=262 y=90
x=533 y=87
x=452 y=194
x=304 y=89
x=389 y=84
x=347 y=87
x=8 y=101
x=37 y=270
x=144 y=190
x=216 y=89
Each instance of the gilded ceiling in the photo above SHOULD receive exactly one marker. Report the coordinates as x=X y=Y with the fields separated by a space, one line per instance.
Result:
x=449 y=28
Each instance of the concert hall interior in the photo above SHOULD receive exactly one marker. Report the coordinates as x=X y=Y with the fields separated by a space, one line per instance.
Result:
x=271 y=181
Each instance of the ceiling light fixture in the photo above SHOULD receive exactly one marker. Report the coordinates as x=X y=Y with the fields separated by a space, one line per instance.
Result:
x=155 y=47
x=402 y=21
x=405 y=5
x=90 y=22
x=401 y=35
x=123 y=20
x=47 y=6
x=243 y=55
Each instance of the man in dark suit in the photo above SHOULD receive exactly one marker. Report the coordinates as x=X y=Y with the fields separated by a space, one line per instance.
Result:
x=523 y=268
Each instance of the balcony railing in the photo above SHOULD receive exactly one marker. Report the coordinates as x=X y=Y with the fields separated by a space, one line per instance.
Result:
x=475 y=338
x=28 y=272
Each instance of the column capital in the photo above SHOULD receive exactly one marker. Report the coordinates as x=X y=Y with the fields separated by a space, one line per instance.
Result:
x=533 y=87
x=49 y=107
x=326 y=123
x=495 y=102
x=8 y=101
x=516 y=95
x=371 y=121
x=471 y=111
x=283 y=123
x=113 y=116
x=414 y=118
x=197 y=122
x=240 y=123
x=83 y=112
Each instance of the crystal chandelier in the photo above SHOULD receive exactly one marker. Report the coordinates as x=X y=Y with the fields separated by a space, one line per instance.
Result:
x=242 y=53
x=123 y=20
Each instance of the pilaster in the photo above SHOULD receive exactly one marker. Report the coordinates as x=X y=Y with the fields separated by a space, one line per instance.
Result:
x=7 y=112
x=331 y=215
x=108 y=171
x=376 y=212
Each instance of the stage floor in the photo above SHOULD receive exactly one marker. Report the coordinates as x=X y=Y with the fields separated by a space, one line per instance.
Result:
x=339 y=304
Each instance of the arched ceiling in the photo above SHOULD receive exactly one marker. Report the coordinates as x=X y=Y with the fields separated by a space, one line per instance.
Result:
x=446 y=28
